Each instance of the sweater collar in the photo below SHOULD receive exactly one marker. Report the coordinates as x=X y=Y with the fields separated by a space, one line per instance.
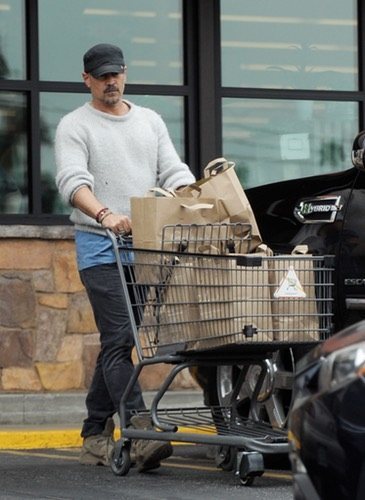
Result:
x=109 y=116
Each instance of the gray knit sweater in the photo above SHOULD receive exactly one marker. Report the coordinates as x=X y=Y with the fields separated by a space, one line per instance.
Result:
x=117 y=157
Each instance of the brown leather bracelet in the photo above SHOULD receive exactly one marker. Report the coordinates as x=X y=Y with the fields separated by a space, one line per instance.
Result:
x=100 y=213
x=104 y=216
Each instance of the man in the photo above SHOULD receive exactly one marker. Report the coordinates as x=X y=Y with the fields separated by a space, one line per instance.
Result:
x=107 y=151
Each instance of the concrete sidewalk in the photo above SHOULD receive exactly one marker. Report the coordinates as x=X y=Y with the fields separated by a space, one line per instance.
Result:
x=51 y=420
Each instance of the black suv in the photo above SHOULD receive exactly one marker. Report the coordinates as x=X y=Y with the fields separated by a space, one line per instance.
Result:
x=326 y=414
x=327 y=213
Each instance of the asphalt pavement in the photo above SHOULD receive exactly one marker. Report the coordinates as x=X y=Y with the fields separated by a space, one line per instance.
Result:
x=187 y=475
x=40 y=444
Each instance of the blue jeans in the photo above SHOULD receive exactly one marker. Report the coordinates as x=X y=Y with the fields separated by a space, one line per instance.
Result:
x=114 y=364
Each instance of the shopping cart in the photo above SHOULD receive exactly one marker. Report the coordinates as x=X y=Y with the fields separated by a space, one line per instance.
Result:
x=202 y=302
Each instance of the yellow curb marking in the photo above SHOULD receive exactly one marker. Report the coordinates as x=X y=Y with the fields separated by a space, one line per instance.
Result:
x=26 y=439
x=34 y=439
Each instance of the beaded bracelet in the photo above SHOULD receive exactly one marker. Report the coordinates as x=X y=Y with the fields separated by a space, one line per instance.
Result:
x=100 y=213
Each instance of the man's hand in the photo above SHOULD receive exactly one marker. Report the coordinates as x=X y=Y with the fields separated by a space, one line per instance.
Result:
x=119 y=224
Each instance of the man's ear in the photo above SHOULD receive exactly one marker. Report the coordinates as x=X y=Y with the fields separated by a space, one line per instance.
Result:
x=86 y=78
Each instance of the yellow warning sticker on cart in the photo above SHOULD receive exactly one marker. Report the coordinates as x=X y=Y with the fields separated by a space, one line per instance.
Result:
x=290 y=287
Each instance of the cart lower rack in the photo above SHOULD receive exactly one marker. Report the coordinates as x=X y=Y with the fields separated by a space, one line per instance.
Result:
x=196 y=309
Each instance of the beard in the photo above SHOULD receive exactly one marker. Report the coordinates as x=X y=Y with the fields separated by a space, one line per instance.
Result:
x=111 y=96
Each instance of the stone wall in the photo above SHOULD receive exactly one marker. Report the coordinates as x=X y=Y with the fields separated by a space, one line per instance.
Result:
x=48 y=338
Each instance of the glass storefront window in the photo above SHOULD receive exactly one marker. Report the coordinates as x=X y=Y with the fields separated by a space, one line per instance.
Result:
x=172 y=111
x=56 y=105
x=53 y=106
x=150 y=34
x=274 y=140
x=12 y=40
x=13 y=154
x=289 y=44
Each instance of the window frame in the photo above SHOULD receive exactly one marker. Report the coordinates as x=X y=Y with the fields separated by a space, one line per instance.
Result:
x=33 y=87
x=202 y=92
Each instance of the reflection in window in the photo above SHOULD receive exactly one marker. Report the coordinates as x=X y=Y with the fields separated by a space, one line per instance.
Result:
x=13 y=154
x=289 y=44
x=54 y=106
x=172 y=111
x=150 y=34
x=12 y=45
x=274 y=140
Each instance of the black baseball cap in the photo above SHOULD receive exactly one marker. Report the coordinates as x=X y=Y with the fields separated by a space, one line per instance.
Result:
x=103 y=58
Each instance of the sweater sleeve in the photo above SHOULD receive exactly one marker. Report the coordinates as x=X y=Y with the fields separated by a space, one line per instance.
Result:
x=71 y=160
x=172 y=172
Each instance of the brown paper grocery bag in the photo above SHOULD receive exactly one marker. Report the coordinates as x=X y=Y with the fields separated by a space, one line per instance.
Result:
x=203 y=302
x=178 y=315
x=234 y=303
x=220 y=181
x=150 y=214
x=294 y=306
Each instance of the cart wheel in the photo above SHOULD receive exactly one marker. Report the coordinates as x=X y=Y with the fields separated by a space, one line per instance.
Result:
x=250 y=464
x=226 y=458
x=247 y=480
x=121 y=461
